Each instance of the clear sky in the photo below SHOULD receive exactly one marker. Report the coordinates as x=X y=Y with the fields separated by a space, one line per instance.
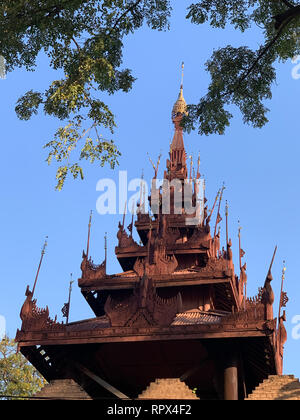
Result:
x=260 y=168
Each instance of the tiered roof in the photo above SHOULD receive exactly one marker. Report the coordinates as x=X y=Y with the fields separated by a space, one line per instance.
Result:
x=177 y=284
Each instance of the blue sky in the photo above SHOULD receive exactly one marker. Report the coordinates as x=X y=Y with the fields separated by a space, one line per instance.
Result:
x=259 y=167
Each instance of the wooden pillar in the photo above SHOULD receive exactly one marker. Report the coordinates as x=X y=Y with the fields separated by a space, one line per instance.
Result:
x=231 y=389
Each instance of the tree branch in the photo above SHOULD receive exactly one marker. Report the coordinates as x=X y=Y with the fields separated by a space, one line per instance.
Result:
x=264 y=51
x=130 y=9
x=288 y=4
x=285 y=16
x=260 y=56
x=49 y=10
x=76 y=43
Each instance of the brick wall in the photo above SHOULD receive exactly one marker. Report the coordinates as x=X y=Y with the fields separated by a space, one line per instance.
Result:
x=63 y=389
x=168 y=389
x=277 y=388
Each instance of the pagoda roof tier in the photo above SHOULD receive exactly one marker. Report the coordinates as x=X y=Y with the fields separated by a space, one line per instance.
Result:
x=97 y=331
x=145 y=222
x=129 y=279
x=177 y=248
x=128 y=256
x=129 y=366
x=176 y=241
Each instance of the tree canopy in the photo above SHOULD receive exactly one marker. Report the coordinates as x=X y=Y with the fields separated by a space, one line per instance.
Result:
x=84 y=41
x=18 y=378
x=242 y=76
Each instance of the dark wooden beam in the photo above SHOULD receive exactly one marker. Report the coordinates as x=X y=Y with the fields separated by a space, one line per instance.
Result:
x=101 y=382
x=93 y=337
x=192 y=371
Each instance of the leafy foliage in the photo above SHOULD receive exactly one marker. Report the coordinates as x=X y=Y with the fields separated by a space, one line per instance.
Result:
x=241 y=76
x=18 y=378
x=226 y=68
x=84 y=40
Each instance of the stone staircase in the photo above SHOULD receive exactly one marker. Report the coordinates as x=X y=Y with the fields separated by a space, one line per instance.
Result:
x=62 y=389
x=277 y=388
x=168 y=389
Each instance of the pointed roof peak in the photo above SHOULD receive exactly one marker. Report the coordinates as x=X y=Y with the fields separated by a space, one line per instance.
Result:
x=180 y=106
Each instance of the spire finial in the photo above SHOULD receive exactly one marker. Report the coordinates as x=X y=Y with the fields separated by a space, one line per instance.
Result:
x=182 y=75
x=180 y=106
x=89 y=234
x=226 y=215
x=105 y=250
x=283 y=300
x=40 y=264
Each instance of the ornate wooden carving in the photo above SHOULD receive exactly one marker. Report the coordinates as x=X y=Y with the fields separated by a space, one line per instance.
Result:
x=250 y=302
x=252 y=314
x=242 y=282
x=200 y=236
x=161 y=263
x=125 y=241
x=28 y=305
x=143 y=308
x=268 y=297
x=213 y=265
x=36 y=319
x=229 y=254
x=90 y=271
x=280 y=342
x=173 y=234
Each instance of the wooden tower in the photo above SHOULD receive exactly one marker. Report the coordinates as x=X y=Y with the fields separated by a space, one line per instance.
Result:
x=178 y=310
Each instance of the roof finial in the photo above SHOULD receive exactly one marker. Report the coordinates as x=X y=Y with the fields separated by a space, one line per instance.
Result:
x=226 y=215
x=89 y=235
x=182 y=75
x=105 y=251
x=40 y=264
x=180 y=106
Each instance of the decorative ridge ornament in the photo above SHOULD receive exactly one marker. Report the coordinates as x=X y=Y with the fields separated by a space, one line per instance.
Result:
x=281 y=333
x=66 y=308
x=34 y=318
x=91 y=271
x=143 y=308
x=268 y=294
x=180 y=106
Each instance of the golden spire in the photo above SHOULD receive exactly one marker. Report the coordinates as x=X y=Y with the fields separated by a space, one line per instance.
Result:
x=180 y=106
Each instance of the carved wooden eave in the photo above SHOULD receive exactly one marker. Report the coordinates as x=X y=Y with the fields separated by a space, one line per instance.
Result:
x=37 y=319
x=126 y=241
x=143 y=308
x=129 y=280
x=144 y=316
x=90 y=271
x=69 y=335
x=177 y=248
x=216 y=272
